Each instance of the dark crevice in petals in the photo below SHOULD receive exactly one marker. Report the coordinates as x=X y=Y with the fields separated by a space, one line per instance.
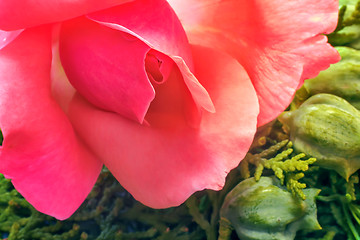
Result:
x=152 y=67
x=157 y=68
x=1 y=137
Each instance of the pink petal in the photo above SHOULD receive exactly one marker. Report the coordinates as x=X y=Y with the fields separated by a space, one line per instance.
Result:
x=160 y=29
x=161 y=167
x=107 y=67
x=113 y=48
x=317 y=60
x=47 y=163
x=175 y=101
x=278 y=43
x=21 y=14
x=8 y=37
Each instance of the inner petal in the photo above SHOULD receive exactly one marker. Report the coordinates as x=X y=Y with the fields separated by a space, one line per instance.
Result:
x=173 y=105
x=107 y=67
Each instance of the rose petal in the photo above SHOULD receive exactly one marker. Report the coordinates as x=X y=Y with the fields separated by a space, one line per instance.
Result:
x=107 y=67
x=162 y=167
x=317 y=60
x=278 y=42
x=160 y=29
x=7 y=37
x=48 y=165
x=21 y=14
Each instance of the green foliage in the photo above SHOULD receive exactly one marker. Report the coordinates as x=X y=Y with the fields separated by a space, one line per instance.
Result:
x=347 y=31
x=338 y=205
x=286 y=165
x=108 y=213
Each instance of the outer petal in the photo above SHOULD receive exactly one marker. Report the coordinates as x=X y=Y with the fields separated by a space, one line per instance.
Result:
x=27 y=13
x=278 y=42
x=161 y=167
x=48 y=165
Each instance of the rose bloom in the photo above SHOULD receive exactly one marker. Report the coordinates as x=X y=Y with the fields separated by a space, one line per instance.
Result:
x=166 y=94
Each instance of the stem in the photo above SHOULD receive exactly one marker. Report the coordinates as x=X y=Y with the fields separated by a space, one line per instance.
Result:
x=330 y=198
x=225 y=229
x=214 y=197
x=355 y=211
x=349 y=222
x=199 y=218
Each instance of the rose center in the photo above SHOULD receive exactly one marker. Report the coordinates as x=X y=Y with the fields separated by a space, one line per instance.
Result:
x=173 y=105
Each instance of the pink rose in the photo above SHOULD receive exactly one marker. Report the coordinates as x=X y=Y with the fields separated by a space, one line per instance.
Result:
x=167 y=94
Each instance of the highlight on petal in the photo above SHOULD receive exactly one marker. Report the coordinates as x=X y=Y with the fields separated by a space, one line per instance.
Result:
x=279 y=44
x=162 y=167
x=61 y=89
x=46 y=161
x=22 y=14
x=7 y=37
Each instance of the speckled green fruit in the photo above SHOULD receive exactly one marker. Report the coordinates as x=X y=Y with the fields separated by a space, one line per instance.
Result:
x=328 y=128
x=266 y=210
